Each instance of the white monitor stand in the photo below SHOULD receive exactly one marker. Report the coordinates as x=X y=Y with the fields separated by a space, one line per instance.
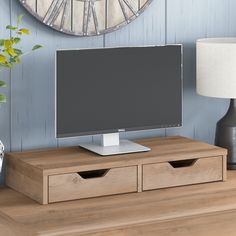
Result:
x=112 y=145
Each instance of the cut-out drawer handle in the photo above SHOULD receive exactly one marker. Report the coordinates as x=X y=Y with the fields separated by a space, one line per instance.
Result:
x=93 y=173
x=183 y=163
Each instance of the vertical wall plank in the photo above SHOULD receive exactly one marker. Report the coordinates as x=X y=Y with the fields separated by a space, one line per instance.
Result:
x=32 y=90
x=5 y=75
x=186 y=22
x=147 y=29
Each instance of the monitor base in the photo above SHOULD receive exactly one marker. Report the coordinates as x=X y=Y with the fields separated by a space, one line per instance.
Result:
x=125 y=146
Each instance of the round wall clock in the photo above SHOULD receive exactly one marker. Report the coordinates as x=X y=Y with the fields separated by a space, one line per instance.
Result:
x=85 y=17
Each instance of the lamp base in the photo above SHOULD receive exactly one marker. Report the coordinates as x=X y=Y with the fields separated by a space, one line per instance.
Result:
x=226 y=134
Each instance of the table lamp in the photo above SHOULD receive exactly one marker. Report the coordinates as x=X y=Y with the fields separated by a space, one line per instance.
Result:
x=216 y=77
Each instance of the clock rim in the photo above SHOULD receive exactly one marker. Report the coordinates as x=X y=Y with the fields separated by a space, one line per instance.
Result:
x=72 y=33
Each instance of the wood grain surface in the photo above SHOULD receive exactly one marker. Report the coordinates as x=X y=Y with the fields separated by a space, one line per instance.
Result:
x=74 y=159
x=53 y=175
x=72 y=186
x=163 y=175
x=207 y=209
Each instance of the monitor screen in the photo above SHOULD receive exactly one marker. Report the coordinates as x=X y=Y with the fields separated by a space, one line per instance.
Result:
x=118 y=89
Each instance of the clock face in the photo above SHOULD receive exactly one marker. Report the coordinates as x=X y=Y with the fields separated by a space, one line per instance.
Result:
x=85 y=17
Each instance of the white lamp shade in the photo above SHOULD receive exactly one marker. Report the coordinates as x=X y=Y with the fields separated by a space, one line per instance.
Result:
x=216 y=67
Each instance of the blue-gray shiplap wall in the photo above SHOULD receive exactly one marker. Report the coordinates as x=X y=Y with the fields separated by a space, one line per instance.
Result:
x=27 y=120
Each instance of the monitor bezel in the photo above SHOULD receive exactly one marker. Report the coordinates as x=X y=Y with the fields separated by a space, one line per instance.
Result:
x=99 y=132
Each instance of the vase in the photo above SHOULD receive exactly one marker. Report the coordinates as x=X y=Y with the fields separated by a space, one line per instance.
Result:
x=1 y=155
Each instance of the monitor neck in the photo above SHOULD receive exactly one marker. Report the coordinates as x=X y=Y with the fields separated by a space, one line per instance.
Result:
x=111 y=139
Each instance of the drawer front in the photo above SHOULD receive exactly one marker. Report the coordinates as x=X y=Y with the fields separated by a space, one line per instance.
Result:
x=92 y=183
x=177 y=173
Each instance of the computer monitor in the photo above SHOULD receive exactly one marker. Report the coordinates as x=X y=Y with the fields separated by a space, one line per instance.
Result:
x=110 y=90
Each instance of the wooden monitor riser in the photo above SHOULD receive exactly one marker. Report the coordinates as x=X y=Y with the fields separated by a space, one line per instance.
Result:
x=55 y=175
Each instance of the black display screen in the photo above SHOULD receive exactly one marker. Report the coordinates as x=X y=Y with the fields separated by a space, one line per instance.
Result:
x=107 y=90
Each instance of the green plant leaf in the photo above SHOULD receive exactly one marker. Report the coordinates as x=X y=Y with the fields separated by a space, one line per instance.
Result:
x=7 y=43
x=2 y=83
x=18 y=51
x=9 y=55
x=19 y=19
x=16 y=40
x=10 y=27
x=2 y=58
x=36 y=47
x=3 y=98
x=12 y=59
x=25 y=31
x=6 y=52
x=15 y=59
x=11 y=52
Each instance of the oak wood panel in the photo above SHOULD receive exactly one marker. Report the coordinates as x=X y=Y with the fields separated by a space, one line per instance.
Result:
x=9 y=227
x=34 y=184
x=65 y=160
x=140 y=178
x=224 y=160
x=163 y=175
x=29 y=172
x=217 y=224
x=73 y=186
x=126 y=213
x=31 y=188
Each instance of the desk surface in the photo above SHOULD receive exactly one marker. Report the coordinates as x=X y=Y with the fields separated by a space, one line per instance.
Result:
x=206 y=209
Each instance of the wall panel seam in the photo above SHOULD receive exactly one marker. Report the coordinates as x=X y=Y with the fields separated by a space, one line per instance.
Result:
x=10 y=86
